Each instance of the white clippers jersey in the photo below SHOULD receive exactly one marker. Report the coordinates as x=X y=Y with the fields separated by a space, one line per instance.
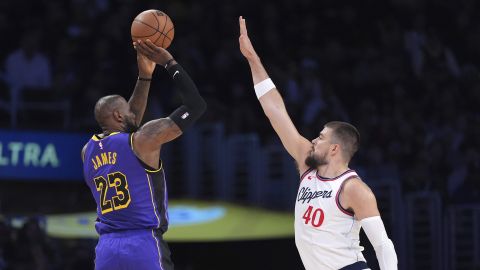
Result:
x=326 y=235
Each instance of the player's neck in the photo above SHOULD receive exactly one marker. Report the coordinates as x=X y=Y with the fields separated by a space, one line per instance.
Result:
x=109 y=131
x=333 y=169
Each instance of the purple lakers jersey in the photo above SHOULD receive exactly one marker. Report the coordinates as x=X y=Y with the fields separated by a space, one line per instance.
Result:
x=129 y=194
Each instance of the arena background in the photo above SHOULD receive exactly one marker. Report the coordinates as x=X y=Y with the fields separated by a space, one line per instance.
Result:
x=405 y=72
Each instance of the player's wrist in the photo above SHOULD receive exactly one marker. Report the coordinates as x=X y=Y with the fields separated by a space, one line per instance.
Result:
x=254 y=60
x=144 y=78
x=169 y=63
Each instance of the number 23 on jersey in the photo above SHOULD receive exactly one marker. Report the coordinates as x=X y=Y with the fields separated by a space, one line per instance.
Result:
x=115 y=180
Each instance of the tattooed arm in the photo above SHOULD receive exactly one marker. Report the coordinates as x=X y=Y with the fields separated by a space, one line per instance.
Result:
x=138 y=100
x=147 y=141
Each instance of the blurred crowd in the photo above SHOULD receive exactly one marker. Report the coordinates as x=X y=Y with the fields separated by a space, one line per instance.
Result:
x=405 y=72
x=28 y=247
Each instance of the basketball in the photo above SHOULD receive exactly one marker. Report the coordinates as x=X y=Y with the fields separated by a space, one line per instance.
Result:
x=154 y=25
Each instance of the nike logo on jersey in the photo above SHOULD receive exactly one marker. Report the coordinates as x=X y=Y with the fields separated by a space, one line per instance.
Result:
x=306 y=194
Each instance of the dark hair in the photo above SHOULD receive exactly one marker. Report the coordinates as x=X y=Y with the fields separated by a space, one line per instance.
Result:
x=346 y=135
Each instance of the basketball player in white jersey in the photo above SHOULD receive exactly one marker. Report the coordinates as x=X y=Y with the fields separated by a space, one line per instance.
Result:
x=332 y=203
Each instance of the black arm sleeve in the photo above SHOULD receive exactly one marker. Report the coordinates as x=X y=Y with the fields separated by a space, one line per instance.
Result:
x=193 y=104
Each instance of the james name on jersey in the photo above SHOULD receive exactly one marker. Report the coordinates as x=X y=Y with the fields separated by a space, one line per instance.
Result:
x=306 y=194
x=103 y=159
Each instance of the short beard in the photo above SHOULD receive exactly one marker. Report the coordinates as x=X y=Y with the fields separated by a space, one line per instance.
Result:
x=129 y=126
x=314 y=161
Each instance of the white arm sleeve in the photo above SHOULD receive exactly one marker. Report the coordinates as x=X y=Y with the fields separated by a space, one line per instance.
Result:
x=375 y=231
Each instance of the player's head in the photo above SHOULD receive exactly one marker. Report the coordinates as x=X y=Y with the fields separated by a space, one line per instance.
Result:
x=337 y=141
x=113 y=113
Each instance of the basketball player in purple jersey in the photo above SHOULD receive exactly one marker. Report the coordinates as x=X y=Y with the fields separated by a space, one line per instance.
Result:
x=123 y=169
x=333 y=203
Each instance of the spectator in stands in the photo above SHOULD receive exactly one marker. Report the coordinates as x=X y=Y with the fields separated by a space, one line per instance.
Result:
x=28 y=66
x=27 y=69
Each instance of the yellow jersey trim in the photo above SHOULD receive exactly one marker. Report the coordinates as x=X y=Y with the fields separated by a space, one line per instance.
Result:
x=157 y=170
x=141 y=161
x=131 y=141
x=153 y=203
x=95 y=138
x=158 y=250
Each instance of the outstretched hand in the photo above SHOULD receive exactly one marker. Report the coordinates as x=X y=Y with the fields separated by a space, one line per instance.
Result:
x=153 y=52
x=246 y=46
x=145 y=66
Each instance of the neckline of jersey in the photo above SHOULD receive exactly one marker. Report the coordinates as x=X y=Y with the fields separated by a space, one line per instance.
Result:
x=333 y=178
x=95 y=137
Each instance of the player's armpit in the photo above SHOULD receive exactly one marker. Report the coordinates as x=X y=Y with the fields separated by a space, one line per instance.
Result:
x=154 y=133
x=357 y=196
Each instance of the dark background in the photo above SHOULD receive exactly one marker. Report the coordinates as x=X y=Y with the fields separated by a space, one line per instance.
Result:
x=404 y=72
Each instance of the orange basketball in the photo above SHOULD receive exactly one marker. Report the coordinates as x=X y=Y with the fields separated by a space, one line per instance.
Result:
x=154 y=25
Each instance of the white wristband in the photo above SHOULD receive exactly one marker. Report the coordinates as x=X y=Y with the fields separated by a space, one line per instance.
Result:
x=263 y=87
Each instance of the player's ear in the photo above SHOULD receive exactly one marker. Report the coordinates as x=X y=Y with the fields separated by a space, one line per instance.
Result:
x=335 y=148
x=117 y=115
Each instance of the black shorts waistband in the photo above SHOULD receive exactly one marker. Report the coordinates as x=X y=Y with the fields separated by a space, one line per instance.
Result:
x=356 y=266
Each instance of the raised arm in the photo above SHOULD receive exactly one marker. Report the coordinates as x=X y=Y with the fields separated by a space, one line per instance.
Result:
x=138 y=100
x=272 y=103
x=149 y=138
